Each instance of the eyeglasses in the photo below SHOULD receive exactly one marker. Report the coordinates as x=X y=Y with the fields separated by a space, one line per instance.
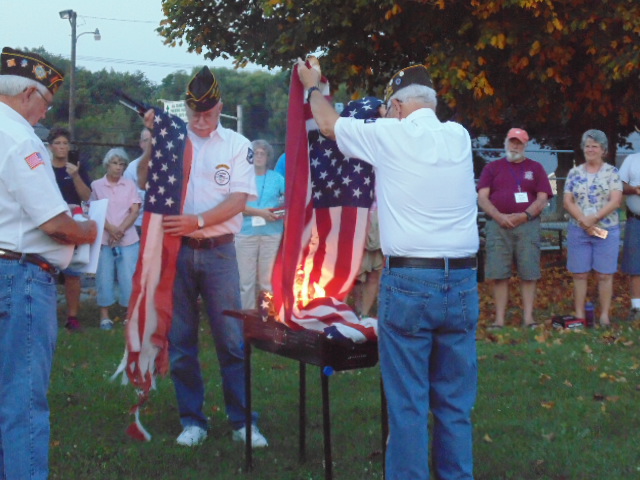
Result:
x=45 y=100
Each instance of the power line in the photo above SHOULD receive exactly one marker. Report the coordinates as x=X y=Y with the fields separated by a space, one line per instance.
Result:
x=121 y=20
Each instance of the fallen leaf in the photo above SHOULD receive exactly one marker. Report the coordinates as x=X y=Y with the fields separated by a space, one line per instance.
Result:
x=587 y=349
x=487 y=438
x=548 y=405
x=568 y=383
x=549 y=437
x=544 y=378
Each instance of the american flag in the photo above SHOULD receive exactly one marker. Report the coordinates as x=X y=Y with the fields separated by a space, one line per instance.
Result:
x=328 y=198
x=151 y=304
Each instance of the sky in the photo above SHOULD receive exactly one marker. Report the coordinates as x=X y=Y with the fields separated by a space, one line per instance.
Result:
x=129 y=41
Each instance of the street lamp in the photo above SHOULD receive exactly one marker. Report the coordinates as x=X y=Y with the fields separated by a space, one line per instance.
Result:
x=72 y=17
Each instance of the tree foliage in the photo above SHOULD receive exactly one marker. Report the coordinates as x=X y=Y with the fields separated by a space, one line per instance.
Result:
x=102 y=122
x=556 y=67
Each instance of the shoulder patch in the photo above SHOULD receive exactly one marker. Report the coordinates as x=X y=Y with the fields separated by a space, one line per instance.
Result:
x=250 y=156
x=34 y=160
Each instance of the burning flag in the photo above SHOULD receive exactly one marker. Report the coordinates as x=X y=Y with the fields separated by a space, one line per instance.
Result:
x=328 y=199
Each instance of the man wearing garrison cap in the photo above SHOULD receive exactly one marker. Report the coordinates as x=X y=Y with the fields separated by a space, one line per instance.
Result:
x=221 y=181
x=37 y=237
x=428 y=299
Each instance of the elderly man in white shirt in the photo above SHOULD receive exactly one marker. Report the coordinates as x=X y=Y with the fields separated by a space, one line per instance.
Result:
x=428 y=305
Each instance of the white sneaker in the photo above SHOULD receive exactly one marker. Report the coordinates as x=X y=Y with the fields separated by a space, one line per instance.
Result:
x=106 y=324
x=192 y=436
x=257 y=439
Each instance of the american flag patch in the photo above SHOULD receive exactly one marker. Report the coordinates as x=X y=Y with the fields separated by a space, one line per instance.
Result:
x=34 y=160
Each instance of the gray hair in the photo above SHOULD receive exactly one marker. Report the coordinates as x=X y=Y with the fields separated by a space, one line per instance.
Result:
x=115 y=153
x=415 y=92
x=12 y=85
x=264 y=145
x=597 y=136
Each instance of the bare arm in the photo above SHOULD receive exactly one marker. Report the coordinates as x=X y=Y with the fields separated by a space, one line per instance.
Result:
x=84 y=191
x=143 y=164
x=180 y=225
x=65 y=230
x=323 y=112
x=505 y=221
x=629 y=190
x=265 y=213
x=538 y=204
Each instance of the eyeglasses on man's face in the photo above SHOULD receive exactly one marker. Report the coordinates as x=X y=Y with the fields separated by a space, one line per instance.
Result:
x=47 y=102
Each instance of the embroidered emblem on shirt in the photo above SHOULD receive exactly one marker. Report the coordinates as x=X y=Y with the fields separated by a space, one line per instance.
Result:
x=250 y=156
x=34 y=160
x=370 y=120
x=222 y=177
x=528 y=175
x=11 y=62
x=223 y=165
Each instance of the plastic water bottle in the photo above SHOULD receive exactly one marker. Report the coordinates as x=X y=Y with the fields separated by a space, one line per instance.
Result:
x=590 y=314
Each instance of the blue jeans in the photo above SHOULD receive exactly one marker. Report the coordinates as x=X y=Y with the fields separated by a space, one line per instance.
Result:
x=213 y=274
x=116 y=263
x=28 y=332
x=427 y=334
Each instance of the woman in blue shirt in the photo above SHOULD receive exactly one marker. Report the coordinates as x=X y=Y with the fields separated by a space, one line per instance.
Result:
x=258 y=242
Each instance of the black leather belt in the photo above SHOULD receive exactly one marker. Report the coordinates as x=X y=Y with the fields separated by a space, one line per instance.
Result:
x=433 y=263
x=207 y=243
x=630 y=214
x=30 y=258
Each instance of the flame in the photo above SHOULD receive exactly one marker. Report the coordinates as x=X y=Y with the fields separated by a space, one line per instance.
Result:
x=303 y=291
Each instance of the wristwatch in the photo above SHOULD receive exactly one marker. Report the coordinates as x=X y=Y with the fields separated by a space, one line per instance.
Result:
x=309 y=92
x=529 y=216
x=200 y=221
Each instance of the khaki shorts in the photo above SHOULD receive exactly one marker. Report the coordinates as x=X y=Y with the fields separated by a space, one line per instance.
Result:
x=371 y=260
x=505 y=246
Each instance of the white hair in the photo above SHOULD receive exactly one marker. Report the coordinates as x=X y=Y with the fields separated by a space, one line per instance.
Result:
x=417 y=93
x=115 y=153
x=12 y=85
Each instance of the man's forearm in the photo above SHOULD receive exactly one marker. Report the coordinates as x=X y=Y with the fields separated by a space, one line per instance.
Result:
x=63 y=229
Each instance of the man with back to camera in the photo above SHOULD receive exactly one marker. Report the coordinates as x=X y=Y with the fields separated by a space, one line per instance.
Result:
x=630 y=175
x=221 y=181
x=428 y=304
x=513 y=192
x=37 y=236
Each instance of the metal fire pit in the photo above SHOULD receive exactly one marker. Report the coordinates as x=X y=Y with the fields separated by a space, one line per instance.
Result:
x=307 y=347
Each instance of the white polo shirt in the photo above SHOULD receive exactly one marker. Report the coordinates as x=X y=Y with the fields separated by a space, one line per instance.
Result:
x=221 y=165
x=29 y=194
x=630 y=174
x=427 y=202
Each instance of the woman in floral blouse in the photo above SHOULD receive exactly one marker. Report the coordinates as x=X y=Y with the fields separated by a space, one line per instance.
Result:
x=592 y=195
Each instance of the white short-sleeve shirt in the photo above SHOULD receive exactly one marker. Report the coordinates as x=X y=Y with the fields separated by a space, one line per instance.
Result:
x=222 y=164
x=427 y=202
x=29 y=194
x=630 y=174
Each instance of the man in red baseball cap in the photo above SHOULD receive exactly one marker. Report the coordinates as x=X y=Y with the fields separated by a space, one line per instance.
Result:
x=513 y=191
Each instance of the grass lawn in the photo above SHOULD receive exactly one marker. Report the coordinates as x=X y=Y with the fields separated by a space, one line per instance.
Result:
x=552 y=404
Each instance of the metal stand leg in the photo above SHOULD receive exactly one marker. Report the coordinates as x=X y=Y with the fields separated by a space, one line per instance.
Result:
x=248 y=466
x=326 y=421
x=384 y=423
x=302 y=420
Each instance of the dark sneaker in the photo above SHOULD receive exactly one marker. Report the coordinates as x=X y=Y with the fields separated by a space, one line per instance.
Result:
x=73 y=325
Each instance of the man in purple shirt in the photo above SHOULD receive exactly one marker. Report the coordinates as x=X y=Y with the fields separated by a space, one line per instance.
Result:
x=513 y=191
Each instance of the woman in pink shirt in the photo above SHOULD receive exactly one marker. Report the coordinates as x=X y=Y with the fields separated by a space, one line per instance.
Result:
x=120 y=241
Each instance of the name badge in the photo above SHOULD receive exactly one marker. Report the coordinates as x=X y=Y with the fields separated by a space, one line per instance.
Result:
x=521 y=197
x=258 y=221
